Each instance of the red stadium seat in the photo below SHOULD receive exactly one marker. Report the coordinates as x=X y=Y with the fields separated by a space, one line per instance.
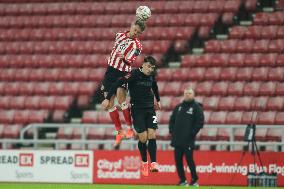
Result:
x=236 y=60
x=269 y=32
x=71 y=88
x=47 y=102
x=268 y=59
x=166 y=102
x=251 y=60
x=63 y=102
x=275 y=103
x=90 y=117
x=260 y=46
x=163 y=133
x=204 y=88
x=164 y=74
x=16 y=102
x=103 y=118
x=220 y=60
x=83 y=101
x=65 y=133
x=218 y=117
x=180 y=74
x=196 y=74
x=12 y=131
x=276 y=46
x=228 y=74
x=186 y=85
x=58 y=116
x=260 y=74
x=56 y=88
x=220 y=88
x=261 y=18
x=244 y=46
x=226 y=103
x=12 y=88
x=26 y=88
x=259 y=103
x=236 y=88
x=266 y=118
x=32 y=102
x=239 y=134
x=244 y=74
x=279 y=89
x=276 y=74
x=223 y=134
x=229 y=46
x=253 y=32
x=87 y=88
x=237 y=32
x=96 y=133
x=249 y=117
x=208 y=134
x=188 y=60
x=21 y=117
x=41 y=88
x=37 y=116
x=260 y=134
x=273 y=134
x=210 y=103
x=7 y=117
x=234 y=118
x=212 y=73
x=279 y=119
x=5 y=102
x=243 y=103
x=212 y=46
x=252 y=88
x=203 y=60
x=267 y=88
x=172 y=88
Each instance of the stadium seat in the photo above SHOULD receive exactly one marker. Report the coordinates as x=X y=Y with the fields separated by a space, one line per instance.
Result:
x=212 y=46
x=251 y=60
x=239 y=134
x=220 y=60
x=188 y=60
x=90 y=117
x=243 y=103
x=260 y=74
x=276 y=74
x=180 y=74
x=84 y=101
x=259 y=103
x=164 y=74
x=65 y=133
x=279 y=119
x=229 y=46
x=223 y=134
x=21 y=117
x=226 y=103
x=208 y=134
x=37 y=116
x=220 y=88
x=196 y=74
x=32 y=102
x=244 y=74
x=163 y=133
x=58 y=116
x=268 y=59
x=204 y=88
x=55 y=88
x=172 y=88
x=71 y=88
x=12 y=131
x=252 y=88
x=279 y=89
x=211 y=103
x=253 y=32
x=63 y=102
x=236 y=88
x=5 y=102
x=244 y=46
x=266 y=118
x=218 y=117
x=228 y=73
x=234 y=118
x=274 y=134
x=267 y=88
x=275 y=103
x=236 y=60
x=260 y=134
x=7 y=117
x=237 y=32
x=212 y=73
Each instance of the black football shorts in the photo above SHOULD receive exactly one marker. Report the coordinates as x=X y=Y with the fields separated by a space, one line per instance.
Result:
x=111 y=76
x=144 y=119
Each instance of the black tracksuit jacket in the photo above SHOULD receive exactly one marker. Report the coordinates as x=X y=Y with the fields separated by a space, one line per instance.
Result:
x=185 y=122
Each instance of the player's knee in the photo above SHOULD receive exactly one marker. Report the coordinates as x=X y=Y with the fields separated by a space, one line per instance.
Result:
x=143 y=137
x=151 y=134
x=123 y=105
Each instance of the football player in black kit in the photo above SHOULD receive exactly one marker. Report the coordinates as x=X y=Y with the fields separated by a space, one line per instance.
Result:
x=142 y=88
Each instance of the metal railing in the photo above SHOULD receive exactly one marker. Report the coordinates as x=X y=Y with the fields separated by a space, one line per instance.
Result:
x=35 y=141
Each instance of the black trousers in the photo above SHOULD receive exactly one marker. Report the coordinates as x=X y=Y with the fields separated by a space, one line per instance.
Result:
x=179 y=153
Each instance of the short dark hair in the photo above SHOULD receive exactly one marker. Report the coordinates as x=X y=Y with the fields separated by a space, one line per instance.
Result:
x=151 y=60
x=141 y=24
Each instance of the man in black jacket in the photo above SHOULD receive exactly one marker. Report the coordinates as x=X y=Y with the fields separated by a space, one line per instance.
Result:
x=142 y=88
x=185 y=122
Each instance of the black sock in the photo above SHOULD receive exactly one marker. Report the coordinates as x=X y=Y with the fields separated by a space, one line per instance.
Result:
x=152 y=149
x=143 y=151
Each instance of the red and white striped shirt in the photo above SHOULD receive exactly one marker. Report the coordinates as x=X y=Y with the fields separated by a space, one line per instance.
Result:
x=129 y=48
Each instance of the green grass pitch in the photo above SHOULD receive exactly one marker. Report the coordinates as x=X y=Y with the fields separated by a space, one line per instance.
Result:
x=106 y=186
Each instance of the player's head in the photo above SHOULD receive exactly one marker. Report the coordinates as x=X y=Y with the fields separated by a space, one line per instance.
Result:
x=188 y=94
x=137 y=28
x=149 y=65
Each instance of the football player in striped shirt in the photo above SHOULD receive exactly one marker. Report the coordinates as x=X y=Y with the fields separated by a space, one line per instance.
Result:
x=126 y=48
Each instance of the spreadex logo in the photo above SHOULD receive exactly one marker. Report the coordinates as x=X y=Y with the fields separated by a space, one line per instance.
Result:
x=23 y=159
x=26 y=160
x=79 y=160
